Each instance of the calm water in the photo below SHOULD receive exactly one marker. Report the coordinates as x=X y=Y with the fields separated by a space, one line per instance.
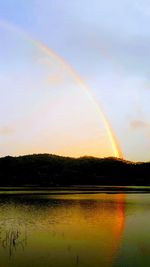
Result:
x=74 y=229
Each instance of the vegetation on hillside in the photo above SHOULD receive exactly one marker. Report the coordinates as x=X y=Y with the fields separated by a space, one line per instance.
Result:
x=52 y=170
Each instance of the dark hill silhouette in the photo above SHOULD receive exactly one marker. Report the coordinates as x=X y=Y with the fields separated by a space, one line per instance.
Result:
x=52 y=170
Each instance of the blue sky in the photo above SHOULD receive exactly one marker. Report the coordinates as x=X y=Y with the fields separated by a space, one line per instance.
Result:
x=108 y=44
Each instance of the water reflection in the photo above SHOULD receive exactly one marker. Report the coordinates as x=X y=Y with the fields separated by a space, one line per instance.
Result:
x=135 y=245
x=61 y=230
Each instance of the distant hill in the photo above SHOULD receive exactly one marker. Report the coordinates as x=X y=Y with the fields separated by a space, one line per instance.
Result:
x=52 y=170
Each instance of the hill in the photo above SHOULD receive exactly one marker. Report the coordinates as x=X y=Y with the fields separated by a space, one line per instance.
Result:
x=52 y=170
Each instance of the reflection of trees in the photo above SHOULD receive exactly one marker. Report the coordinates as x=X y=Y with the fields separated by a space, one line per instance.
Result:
x=12 y=240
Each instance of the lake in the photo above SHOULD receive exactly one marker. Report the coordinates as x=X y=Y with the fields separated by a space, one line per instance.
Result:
x=88 y=227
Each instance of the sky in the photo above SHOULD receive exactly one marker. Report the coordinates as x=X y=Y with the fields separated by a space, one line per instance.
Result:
x=108 y=44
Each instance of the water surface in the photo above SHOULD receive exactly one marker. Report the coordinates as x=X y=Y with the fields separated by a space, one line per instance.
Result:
x=88 y=228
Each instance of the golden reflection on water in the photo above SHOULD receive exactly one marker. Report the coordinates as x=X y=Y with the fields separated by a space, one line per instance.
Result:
x=61 y=230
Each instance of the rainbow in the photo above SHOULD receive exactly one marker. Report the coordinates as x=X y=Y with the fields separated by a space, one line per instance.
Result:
x=112 y=137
